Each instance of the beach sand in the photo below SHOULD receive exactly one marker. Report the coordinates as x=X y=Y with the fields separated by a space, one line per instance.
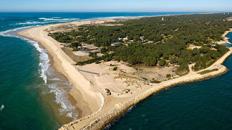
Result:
x=89 y=100
x=96 y=108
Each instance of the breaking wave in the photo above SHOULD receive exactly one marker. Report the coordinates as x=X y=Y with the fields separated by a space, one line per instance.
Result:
x=44 y=61
x=58 y=19
x=10 y=32
x=31 y=23
x=43 y=21
x=60 y=97
x=44 y=66
x=60 y=94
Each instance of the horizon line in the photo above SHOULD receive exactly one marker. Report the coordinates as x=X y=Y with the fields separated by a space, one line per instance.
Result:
x=114 y=11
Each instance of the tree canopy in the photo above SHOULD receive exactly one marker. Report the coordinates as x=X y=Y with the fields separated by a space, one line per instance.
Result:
x=157 y=40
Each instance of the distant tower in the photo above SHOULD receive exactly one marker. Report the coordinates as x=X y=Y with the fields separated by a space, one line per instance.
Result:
x=162 y=18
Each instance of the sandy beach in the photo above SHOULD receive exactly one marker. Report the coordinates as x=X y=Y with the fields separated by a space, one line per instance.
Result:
x=96 y=108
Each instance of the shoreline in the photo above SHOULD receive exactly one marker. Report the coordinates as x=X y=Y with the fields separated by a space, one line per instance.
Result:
x=96 y=109
x=225 y=39
x=61 y=117
x=56 y=64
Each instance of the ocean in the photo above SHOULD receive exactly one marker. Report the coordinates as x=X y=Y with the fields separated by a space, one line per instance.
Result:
x=33 y=96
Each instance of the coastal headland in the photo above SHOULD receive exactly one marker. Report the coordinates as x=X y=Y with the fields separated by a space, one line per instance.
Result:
x=97 y=106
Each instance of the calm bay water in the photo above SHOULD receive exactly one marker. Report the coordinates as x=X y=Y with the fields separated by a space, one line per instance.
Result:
x=32 y=94
x=204 y=105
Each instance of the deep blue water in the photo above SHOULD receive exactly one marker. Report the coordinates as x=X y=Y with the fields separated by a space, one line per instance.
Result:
x=230 y=37
x=204 y=105
x=32 y=94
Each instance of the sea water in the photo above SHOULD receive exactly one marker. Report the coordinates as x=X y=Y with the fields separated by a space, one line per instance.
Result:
x=33 y=96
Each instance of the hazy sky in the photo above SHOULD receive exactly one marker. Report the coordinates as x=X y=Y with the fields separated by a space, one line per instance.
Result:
x=116 y=5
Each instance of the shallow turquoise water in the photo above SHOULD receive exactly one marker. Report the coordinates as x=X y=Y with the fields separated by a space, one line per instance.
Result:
x=204 y=105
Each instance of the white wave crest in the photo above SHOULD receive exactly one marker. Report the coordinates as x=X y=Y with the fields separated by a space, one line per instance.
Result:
x=61 y=98
x=8 y=33
x=31 y=23
x=44 y=59
x=60 y=94
x=2 y=107
x=58 y=19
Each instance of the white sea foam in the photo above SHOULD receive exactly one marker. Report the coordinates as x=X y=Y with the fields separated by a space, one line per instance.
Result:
x=47 y=21
x=44 y=61
x=60 y=94
x=2 y=107
x=58 y=19
x=31 y=23
x=61 y=98
x=9 y=33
